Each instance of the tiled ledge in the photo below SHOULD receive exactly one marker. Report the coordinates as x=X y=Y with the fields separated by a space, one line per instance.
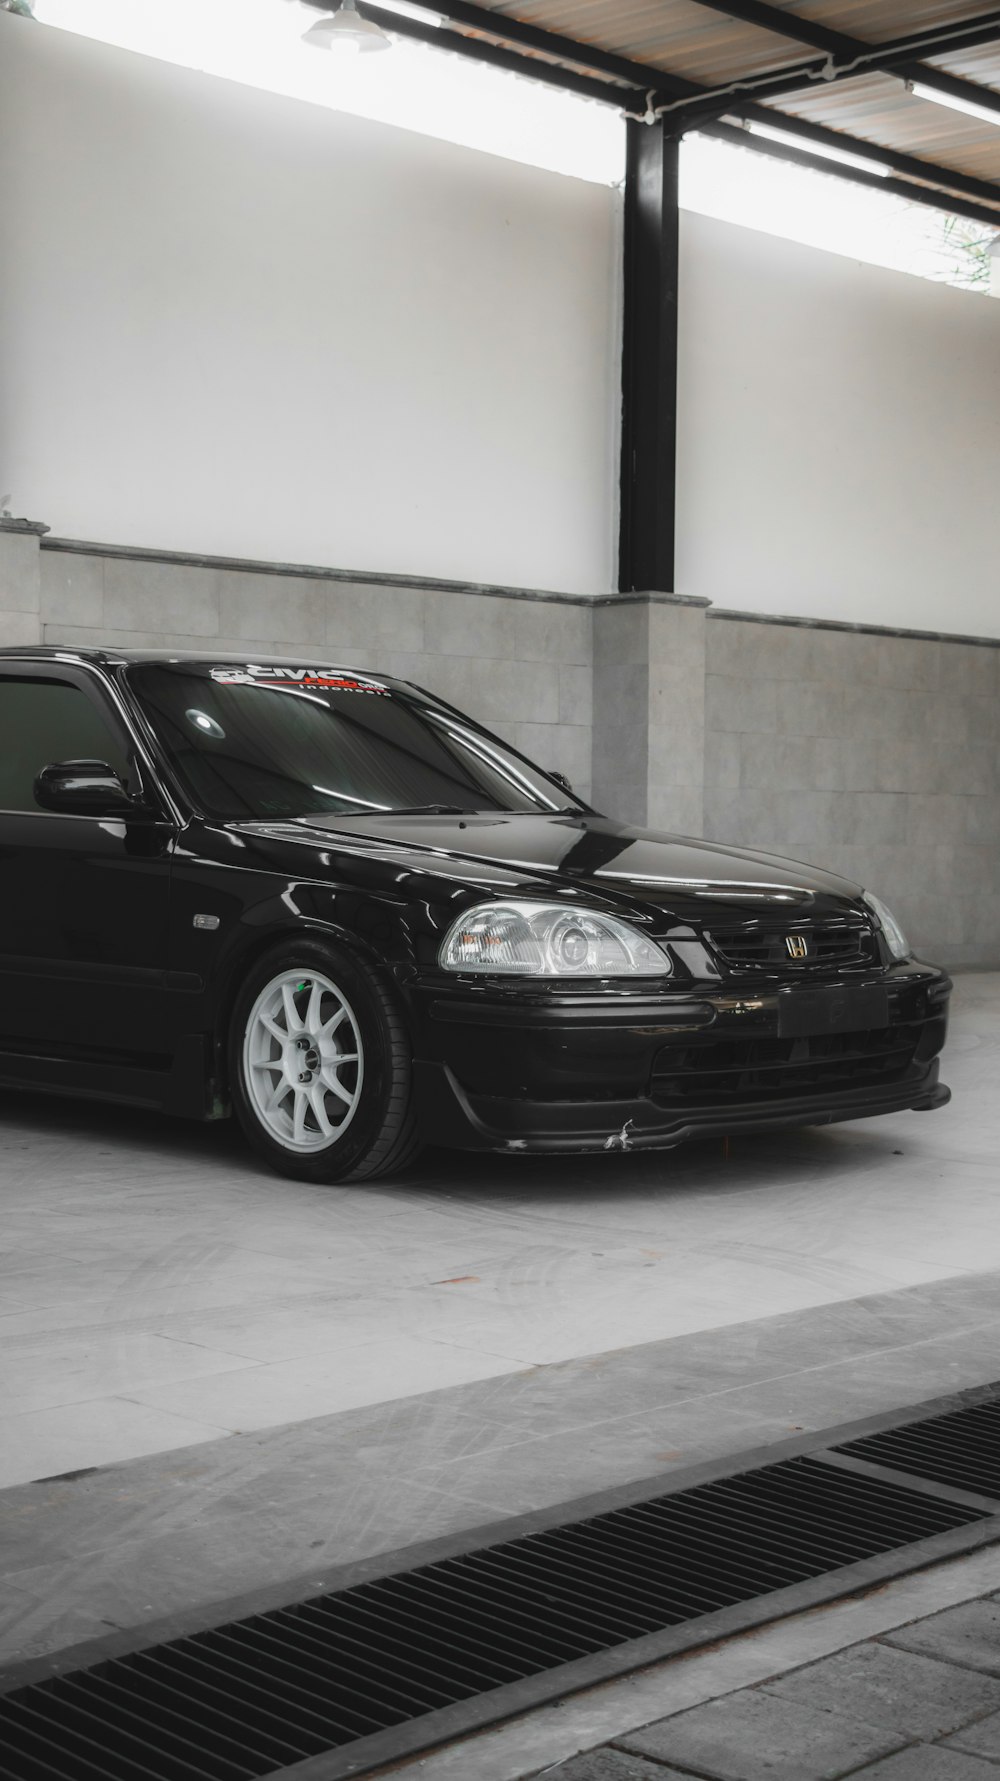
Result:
x=423 y=583
x=357 y=577
x=839 y=624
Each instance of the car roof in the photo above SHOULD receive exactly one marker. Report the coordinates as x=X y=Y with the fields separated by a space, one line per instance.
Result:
x=106 y=657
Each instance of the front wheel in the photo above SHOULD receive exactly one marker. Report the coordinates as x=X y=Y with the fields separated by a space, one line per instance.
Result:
x=320 y=1064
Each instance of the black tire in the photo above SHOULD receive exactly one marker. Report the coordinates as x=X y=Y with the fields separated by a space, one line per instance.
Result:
x=381 y=1138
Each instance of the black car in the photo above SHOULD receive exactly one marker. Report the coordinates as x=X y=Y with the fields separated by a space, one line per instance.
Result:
x=328 y=902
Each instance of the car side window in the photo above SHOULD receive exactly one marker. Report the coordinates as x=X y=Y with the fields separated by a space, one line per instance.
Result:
x=44 y=721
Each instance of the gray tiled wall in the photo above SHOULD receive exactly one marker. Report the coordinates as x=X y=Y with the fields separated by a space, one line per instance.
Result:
x=521 y=665
x=872 y=753
x=20 y=584
x=649 y=698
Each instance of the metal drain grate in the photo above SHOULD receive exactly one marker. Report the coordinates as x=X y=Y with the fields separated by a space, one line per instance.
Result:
x=276 y=1689
x=960 y=1449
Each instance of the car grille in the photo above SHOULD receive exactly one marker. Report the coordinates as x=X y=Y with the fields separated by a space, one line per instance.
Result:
x=847 y=940
x=715 y=1071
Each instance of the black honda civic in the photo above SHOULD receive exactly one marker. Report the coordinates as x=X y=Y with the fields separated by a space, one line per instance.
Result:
x=328 y=902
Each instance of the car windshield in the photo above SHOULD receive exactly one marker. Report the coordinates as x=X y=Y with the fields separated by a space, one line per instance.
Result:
x=268 y=741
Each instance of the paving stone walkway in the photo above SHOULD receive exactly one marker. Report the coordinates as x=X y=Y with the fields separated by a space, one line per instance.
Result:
x=921 y=1703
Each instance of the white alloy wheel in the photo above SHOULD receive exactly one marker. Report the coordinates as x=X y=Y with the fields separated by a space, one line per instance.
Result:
x=303 y=1061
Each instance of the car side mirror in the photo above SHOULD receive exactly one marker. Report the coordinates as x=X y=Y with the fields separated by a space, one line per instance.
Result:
x=560 y=779
x=84 y=788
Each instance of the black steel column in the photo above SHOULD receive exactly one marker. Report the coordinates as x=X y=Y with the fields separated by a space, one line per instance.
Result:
x=649 y=361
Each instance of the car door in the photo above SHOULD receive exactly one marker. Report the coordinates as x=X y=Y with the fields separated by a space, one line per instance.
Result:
x=83 y=899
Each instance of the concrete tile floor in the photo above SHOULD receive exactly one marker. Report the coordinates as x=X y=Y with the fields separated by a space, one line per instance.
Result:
x=285 y=1507
x=274 y=1380
x=921 y=1703
x=710 y=1714
x=160 y=1289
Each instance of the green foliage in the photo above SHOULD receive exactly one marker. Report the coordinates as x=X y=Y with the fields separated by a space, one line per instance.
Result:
x=967 y=245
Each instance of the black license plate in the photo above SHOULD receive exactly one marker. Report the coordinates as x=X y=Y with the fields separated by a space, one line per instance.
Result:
x=836 y=1008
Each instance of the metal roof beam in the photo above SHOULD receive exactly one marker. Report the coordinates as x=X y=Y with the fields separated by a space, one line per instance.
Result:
x=670 y=88
x=910 y=166
x=510 y=60
x=551 y=43
x=894 y=56
x=890 y=56
x=847 y=58
x=796 y=29
x=783 y=24
x=532 y=38
x=632 y=99
x=900 y=188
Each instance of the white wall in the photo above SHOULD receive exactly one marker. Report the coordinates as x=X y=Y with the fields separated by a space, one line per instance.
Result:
x=233 y=323
x=839 y=437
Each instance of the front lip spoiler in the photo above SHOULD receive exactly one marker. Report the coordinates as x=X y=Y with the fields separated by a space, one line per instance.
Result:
x=450 y=1116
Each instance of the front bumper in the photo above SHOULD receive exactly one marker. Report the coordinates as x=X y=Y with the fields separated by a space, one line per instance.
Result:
x=507 y=1071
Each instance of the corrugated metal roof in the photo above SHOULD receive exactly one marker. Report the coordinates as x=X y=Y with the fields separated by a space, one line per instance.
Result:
x=695 y=41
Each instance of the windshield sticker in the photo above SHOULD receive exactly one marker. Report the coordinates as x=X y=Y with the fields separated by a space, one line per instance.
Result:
x=334 y=679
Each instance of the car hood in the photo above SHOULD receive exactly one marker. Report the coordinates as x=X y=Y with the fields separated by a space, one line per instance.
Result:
x=515 y=851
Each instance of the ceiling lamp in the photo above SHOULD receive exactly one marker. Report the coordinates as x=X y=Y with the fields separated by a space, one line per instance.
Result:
x=824 y=150
x=985 y=113
x=346 y=30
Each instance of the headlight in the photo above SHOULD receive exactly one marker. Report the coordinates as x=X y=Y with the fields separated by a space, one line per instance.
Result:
x=893 y=934
x=549 y=940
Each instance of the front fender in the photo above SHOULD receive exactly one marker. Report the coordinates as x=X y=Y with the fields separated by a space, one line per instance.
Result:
x=371 y=927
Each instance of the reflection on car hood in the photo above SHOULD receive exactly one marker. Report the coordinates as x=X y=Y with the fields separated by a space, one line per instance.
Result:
x=671 y=871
